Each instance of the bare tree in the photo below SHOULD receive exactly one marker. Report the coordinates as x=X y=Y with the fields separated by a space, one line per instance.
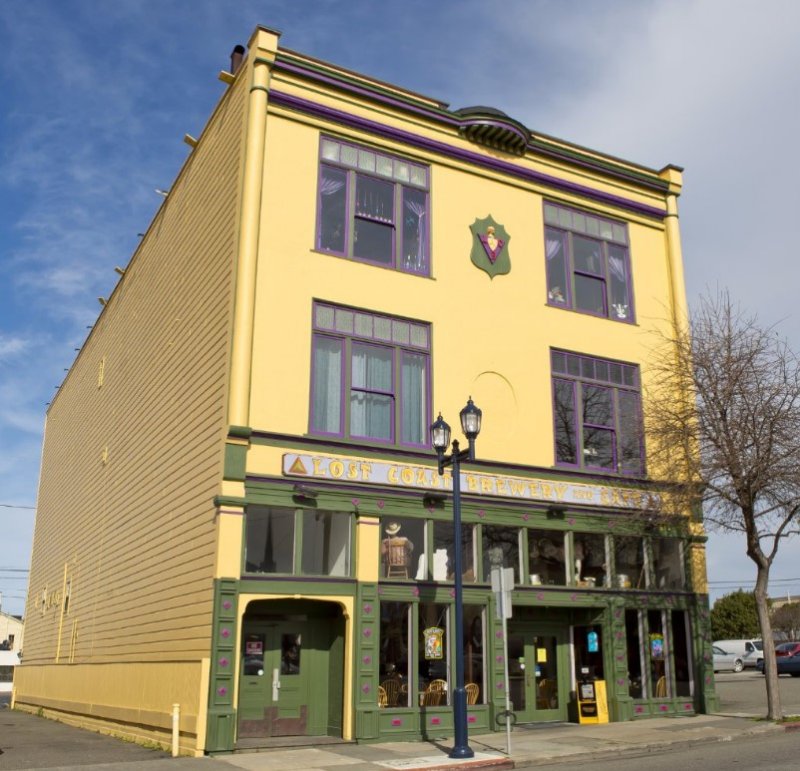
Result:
x=723 y=417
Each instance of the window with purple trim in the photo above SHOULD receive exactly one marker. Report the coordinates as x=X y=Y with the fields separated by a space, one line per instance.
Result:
x=597 y=414
x=370 y=376
x=372 y=207
x=588 y=265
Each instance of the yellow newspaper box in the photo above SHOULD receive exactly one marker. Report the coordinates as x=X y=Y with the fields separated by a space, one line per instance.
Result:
x=592 y=702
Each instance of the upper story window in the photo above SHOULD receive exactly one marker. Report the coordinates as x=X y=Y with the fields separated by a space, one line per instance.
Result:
x=588 y=265
x=373 y=207
x=597 y=413
x=370 y=376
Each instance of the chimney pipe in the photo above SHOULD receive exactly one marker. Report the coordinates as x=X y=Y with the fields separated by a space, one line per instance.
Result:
x=236 y=58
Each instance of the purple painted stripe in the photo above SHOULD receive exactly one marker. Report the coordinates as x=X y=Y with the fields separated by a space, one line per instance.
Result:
x=493 y=164
x=442 y=115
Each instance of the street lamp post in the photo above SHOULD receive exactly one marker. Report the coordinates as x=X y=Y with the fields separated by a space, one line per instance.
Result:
x=440 y=439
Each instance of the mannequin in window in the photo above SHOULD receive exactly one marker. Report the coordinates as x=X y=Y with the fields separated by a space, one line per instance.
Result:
x=396 y=552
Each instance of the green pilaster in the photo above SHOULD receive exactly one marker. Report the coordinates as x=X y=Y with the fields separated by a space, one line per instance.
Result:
x=367 y=633
x=221 y=711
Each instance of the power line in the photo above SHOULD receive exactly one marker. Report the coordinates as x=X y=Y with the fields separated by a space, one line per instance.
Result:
x=14 y=506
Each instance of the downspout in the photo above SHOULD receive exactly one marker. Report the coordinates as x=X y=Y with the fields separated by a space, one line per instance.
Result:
x=680 y=309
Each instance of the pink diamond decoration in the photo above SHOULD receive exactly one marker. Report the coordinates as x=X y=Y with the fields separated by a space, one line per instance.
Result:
x=355 y=501
x=368 y=609
x=396 y=721
x=436 y=721
x=381 y=504
x=526 y=517
x=226 y=633
x=227 y=604
x=224 y=662
x=663 y=707
x=639 y=710
x=367 y=632
x=540 y=596
x=365 y=688
x=222 y=691
x=471 y=718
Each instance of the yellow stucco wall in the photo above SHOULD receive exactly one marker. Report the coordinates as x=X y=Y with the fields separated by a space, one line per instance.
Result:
x=499 y=355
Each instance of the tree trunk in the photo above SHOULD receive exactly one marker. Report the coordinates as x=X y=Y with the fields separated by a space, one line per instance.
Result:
x=774 y=710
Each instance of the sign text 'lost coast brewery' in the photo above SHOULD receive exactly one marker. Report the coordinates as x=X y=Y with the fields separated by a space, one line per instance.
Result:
x=427 y=478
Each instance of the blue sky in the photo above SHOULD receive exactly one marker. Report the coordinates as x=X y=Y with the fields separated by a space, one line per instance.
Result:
x=96 y=95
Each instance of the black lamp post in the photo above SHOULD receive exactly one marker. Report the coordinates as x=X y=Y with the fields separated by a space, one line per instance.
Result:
x=440 y=439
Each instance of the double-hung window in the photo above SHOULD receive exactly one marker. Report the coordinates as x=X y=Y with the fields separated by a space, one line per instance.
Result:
x=373 y=207
x=370 y=376
x=588 y=265
x=597 y=413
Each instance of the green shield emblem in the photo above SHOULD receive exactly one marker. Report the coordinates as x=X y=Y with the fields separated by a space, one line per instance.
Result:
x=490 y=247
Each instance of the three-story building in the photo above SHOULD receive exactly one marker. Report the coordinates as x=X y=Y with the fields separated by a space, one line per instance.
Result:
x=239 y=509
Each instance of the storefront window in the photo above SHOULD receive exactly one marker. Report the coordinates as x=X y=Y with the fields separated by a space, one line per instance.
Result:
x=443 y=552
x=500 y=542
x=668 y=563
x=433 y=655
x=393 y=663
x=680 y=648
x=326 y=543
x=658 y=654
x=474 y=679
x=546 y=561
x=403 y=548
x=270 y=540
x=633 y=639
x=629 y=563
x=589 y=550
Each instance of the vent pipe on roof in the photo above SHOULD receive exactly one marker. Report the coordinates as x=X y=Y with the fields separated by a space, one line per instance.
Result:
x=236 y=58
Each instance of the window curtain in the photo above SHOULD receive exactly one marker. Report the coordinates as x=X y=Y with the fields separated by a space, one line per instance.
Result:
x=413 y=398
x=370 y=400
x=326 y=396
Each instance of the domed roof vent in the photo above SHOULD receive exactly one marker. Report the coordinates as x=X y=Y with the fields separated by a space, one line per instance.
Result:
x=493 y=128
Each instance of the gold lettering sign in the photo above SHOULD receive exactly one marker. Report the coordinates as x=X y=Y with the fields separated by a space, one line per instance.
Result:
x=490 y=485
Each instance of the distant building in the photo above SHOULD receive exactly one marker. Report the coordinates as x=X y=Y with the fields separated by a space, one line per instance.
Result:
x=11 y=632
x=240 y=511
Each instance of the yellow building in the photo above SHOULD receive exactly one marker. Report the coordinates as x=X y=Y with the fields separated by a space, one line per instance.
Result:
x=240 y=511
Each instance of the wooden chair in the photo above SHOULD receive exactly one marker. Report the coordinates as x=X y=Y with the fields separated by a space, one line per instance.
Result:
x=473 y=691
x=382 y=700
x=661 y=687
x=392 y=689
x=397 y=557
x=546 y=695
x=435 y=694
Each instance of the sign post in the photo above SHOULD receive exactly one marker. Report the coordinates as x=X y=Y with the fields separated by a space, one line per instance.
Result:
x=502 y=584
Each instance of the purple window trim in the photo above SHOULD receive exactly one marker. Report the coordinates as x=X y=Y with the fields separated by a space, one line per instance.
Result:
x=567 y=239
x=450 y=151
x=351 y=214
x=579 y=425
x=398 y=349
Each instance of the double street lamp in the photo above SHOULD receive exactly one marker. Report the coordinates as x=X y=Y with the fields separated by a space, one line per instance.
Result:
x=440 y=439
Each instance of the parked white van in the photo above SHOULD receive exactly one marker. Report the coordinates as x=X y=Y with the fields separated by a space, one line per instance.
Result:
x=750 y=651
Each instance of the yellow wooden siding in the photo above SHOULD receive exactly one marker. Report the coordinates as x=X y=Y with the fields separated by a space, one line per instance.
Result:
x=131 y=467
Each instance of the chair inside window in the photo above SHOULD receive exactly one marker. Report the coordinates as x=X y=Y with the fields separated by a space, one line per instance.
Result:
x=382 y=699
x=547 y=694
x=392 y=689
x=435 y=694
x=473 y=691
x=661 y=687
x=397 y=556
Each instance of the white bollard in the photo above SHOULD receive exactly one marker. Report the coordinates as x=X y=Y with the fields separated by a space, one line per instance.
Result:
x=176 y=729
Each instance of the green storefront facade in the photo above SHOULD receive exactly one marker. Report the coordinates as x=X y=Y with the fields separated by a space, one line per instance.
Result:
x=316 y=649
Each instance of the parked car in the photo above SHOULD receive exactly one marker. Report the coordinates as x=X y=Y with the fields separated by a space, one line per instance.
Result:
x=726 y=662
x=786 y=665
x=787 y=649
x=748 y=650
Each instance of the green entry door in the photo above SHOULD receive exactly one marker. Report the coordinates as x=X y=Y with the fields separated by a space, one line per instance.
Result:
x=274 y=686
x=538 y=673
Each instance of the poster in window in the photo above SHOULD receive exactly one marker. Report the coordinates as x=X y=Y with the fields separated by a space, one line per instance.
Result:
x=657 y=647
x=592 y=643
x=434 y=643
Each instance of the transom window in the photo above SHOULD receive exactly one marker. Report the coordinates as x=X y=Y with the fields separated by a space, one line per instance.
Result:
x=588 y=266
x=370 y=376
x=597 y=413
x=373 y=207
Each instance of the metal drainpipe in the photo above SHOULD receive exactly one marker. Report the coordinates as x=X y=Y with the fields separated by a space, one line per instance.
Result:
x=176 y=729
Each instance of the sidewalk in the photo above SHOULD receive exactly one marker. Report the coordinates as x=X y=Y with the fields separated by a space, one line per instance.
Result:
x=529 y=746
